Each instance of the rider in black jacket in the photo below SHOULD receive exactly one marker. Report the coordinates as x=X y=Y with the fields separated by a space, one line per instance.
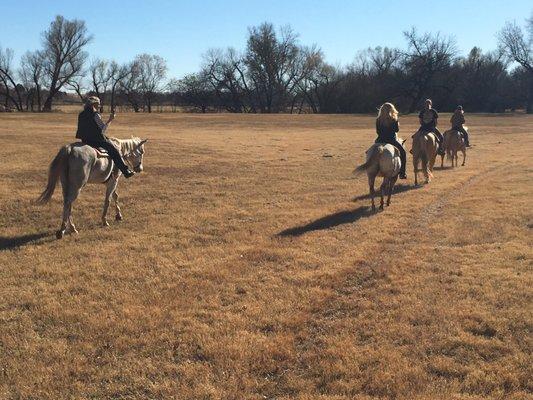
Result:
x=386 y=127
x=91 y=131
x=428 y=123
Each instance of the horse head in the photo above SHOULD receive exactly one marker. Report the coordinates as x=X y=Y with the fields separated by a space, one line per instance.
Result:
x=135 y=156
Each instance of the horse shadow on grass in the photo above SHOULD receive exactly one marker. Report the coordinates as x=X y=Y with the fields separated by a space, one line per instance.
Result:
x=13 y=242
x=443 y=168
x=397 y=189
x=329 y=221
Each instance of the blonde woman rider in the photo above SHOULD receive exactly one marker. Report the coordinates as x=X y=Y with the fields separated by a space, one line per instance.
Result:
x=386 y=127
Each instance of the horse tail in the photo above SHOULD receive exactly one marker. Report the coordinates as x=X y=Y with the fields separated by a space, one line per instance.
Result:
x=372 y=159
x=58 y=165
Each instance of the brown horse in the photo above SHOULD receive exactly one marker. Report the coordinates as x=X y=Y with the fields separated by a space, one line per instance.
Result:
x=453 y=143
x=424 y=150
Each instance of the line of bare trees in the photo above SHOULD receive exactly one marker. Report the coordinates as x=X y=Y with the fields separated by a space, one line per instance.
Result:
x=61 y=65
x=275 y=73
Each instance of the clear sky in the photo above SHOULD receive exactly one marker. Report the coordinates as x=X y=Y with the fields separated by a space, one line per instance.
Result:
x=181 y=31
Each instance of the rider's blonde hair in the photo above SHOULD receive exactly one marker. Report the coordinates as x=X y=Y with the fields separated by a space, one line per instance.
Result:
x=387 y=114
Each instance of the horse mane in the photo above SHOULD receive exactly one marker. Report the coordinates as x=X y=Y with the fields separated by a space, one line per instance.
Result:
x=126 y=145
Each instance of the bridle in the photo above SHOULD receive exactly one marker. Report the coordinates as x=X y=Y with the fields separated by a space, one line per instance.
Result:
x=129 y=155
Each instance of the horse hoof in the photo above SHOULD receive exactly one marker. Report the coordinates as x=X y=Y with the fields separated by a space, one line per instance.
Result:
x=59 y=234
x=105 y=223
x=118 y=217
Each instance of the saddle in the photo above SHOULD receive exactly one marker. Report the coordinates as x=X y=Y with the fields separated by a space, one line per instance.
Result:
x=101 y=153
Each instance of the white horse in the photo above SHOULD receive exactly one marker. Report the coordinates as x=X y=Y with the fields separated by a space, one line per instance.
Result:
x=381 y=160
x=77 y=164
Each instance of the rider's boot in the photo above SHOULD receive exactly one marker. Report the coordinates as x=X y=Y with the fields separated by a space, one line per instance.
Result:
x=128 y=173
x=440 y=149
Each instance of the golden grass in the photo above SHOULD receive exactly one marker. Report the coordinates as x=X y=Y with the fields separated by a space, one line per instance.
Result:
x=248 y=266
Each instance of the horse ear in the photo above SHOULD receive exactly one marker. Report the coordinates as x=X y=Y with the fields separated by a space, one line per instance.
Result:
x=142 y=142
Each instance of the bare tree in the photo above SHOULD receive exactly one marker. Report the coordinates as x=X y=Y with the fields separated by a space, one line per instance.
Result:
x=518 y=48
x=33 y=75
x=151 y=70
x=7 y=78
x=64 y=57
x=319 y=82
x=130 y=86
x=117 y=73
x=427 y=58
x=195 y=90
x=274 y=65
x=226 y=72
x=100 y=76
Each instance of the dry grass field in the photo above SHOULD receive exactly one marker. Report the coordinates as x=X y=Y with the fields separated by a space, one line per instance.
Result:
x=249 y=266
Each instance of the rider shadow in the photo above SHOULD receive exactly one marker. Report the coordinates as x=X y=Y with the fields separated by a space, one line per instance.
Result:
x=397 y=189
x=10 y=243
x=329 y=221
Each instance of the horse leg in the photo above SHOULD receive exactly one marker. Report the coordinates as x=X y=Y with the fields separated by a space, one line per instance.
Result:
x=464 y=156
x=371 y=181
x=382 y=189
x=111 y=186
x=425 y=168
x=415 y=163
x=64 y=186
x=72 y=227
x=118 y=215
x=67 y=209
x=392 y=182
x=70 y=193
x=432 y=164
x=442 y=160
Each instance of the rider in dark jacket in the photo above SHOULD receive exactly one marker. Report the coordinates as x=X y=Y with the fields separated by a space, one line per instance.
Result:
x=386 y=127
x=91 y=131
x=457 y=120
x=428 y=123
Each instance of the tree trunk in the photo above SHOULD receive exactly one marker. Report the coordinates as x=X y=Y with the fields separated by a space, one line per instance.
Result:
x=38 y=88
x=529 y=101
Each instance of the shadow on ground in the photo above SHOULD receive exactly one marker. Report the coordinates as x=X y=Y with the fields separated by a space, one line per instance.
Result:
x=439 y=168
x=8 y=243
x=329 y=221
x=397 y=189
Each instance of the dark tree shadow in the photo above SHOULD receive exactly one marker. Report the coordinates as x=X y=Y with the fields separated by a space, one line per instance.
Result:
x=329 y=221
x=397 y=189
x=8 y=243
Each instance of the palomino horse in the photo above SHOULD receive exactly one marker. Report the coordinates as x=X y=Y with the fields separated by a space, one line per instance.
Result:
x=381 y=160
x=453 y=143
x=77 y=164
x=425 y=150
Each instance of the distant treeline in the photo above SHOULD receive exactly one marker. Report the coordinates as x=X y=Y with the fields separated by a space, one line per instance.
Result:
x=275 y=73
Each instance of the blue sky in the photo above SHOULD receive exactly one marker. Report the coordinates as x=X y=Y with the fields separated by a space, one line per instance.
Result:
x=181 y=31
